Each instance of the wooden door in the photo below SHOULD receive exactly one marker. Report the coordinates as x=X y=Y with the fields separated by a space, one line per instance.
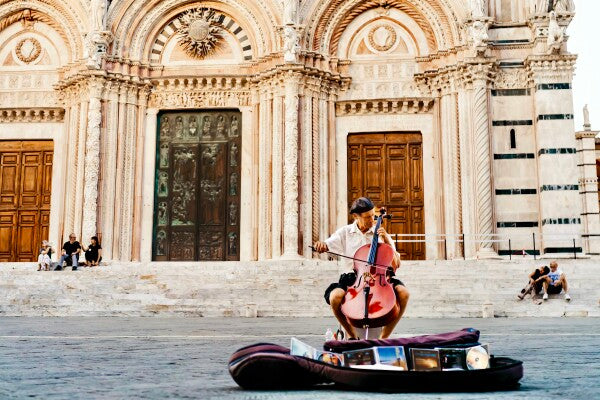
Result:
x=25 y=185
x=388 y=168
x=197 y=195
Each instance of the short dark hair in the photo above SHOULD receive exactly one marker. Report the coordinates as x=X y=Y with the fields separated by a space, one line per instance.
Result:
x=546 y=270
x=361 y=205
x=96 y=239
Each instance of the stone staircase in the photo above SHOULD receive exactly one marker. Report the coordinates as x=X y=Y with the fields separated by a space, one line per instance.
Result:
x=284 y=288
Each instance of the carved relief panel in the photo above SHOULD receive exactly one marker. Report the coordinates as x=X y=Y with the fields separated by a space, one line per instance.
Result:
x=197 y=200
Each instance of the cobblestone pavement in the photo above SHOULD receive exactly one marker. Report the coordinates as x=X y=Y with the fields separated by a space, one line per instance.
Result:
x=157 y=358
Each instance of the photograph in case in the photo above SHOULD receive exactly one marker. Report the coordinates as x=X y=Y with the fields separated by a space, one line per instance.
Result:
x=360 y=357
x=425 y=359
x=298 y=348
x=393 y=357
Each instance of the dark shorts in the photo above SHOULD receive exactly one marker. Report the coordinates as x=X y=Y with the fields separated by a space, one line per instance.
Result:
x=348 y=279
x=554 y=289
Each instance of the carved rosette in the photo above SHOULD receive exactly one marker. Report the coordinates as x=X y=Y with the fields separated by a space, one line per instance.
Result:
x=92 y=163
x=200 y=32
x=290 y=171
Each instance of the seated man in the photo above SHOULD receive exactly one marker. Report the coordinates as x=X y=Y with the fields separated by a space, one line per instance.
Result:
x=555 y=282
x=346 y=241
x=535 y=284
x=70 y=252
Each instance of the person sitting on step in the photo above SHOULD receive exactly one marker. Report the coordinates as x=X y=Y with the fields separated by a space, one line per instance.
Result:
x=535 y=285
x=44 y=259
x=555 y=282
x=93 y=253
x=70 y=253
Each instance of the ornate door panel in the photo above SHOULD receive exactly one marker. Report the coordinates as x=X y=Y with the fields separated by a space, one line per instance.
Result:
x=25 y=185
x=388 y=169
x=197 y=198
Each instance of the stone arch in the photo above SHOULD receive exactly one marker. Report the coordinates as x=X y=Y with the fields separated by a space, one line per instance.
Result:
x=138 y=23
x=52 y=13
x=438 y=19
x=45 y=42
x=170 y=30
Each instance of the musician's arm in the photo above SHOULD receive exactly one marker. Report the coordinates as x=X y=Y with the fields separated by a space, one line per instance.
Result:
x=336 y=243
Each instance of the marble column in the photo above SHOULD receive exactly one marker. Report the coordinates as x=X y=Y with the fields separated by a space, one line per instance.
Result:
x=290 y=171
x=92 y=163
x=148 y=185
x=110 y=140
x=264 y=176
x=451 y=183
x=467 y=179
x=483 y=174
x=277 y=168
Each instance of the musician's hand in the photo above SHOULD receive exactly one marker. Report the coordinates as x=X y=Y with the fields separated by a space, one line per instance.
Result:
x=321 y=247
x=381 y=232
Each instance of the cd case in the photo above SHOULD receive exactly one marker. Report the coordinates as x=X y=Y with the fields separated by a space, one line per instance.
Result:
x=299 y=348
x=425 y=359
x=465 y=358
x=387 y=357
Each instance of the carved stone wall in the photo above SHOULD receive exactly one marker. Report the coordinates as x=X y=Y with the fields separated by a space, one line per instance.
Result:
x=349 y=60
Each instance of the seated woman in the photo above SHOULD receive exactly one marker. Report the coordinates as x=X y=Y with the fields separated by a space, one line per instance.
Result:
x=535 y=284
x=93 y=253
x=44 y=259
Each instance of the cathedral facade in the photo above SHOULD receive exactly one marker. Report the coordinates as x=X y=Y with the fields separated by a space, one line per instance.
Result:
x=180 y=130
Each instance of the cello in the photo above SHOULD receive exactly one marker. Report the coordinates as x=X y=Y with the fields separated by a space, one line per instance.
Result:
x=371 y=300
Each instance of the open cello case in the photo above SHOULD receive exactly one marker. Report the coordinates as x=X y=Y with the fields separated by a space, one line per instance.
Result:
x=265 y=366
x=371 y=303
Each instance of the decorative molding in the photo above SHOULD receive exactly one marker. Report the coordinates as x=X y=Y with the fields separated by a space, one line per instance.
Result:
x=139 y=39
x=11 y=115
x=514 y=78
x=203 y=92
x=384 y=106
x=551 y=68
x=331 y=19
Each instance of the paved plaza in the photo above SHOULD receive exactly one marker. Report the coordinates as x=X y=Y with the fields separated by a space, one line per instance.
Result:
x=157 y=358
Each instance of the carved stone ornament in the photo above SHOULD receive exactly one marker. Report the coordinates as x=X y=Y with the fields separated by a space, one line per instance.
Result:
x=200 y=32
x=382 y=37
x=556 y=35
x=28 y=50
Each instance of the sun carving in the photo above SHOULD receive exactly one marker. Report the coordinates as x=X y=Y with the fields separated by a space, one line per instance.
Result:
x=199 y=32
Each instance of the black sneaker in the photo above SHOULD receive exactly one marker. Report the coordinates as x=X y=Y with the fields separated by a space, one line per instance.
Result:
x=74 y=269
x=58 y=268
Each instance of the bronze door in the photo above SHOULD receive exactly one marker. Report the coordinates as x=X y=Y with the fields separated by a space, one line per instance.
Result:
x=197 y=190
x=388 y=168
x=25 y=186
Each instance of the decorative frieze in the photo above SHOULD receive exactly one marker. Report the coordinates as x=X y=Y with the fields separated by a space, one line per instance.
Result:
x=199 y=99
x=512 y=79
x=32 y=115
x=198 y=93
x=551 y=68
x=384 y=106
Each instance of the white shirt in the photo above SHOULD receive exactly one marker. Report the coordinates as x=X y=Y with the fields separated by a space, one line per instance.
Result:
x=349 y=238
x=555 y=276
